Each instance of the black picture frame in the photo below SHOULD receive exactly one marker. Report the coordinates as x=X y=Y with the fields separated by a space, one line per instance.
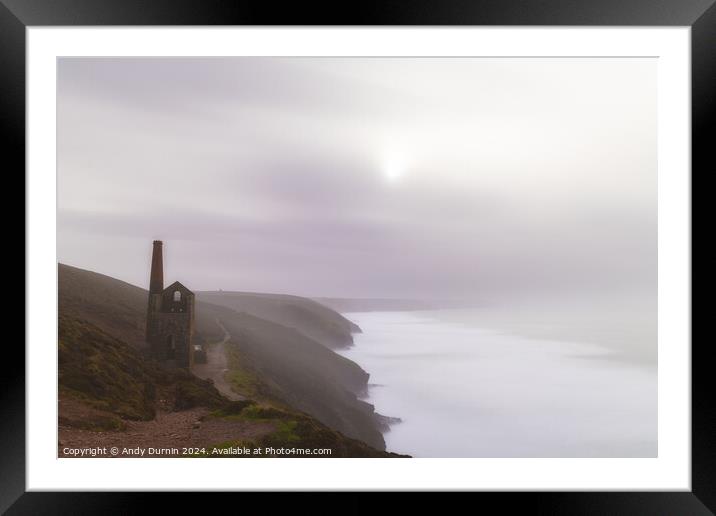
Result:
x=700 y=15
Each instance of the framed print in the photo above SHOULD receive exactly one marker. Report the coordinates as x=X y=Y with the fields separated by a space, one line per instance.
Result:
x=418 y=250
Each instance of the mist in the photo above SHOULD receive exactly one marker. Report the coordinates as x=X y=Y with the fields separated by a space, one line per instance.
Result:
x=417 y=178
x=463 y=387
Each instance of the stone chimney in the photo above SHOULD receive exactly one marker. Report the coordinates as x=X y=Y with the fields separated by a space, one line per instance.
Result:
x=156 y=279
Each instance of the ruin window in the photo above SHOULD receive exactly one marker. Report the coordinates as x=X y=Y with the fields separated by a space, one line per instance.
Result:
x=171 y=348
x=177 y=296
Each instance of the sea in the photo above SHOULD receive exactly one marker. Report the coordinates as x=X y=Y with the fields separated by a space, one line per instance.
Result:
x=497 y=383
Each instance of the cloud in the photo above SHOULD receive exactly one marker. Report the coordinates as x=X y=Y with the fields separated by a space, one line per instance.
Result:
x=274 y=174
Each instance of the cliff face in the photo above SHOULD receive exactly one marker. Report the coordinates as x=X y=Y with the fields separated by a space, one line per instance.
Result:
x=276 y=364
x=102 y=361
x=310 y=318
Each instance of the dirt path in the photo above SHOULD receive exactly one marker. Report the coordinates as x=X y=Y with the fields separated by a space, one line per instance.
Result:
x=216 y=367
x=167 y=435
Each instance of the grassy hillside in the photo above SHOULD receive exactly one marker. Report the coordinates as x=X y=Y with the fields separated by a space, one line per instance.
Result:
x=102 y=363
x=305 y=315
x=111 y=305
x=293 y=429
x=107 y=389
x=284 y=367
x=117 y=381
x=281 y=366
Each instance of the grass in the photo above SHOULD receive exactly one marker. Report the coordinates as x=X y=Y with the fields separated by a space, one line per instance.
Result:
x=101 y=365
x=112 y=376
x=243 y=380
x=291 y=430
x=284 y=435
x=103 y=371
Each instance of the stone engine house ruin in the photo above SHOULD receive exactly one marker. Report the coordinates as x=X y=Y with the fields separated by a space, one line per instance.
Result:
x=170 y=316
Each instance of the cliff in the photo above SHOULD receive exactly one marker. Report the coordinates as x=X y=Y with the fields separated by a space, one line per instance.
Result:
x=308 y=317
x=103 y=365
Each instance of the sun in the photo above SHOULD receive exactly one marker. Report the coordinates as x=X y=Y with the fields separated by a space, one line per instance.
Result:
x=393 y=169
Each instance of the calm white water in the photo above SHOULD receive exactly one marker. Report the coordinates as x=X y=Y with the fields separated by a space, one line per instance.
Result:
x=466 y=391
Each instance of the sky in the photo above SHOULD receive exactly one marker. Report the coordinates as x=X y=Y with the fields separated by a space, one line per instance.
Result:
x=430 y=178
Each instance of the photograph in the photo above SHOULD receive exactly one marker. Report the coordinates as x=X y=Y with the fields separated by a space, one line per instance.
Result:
x=385 y=257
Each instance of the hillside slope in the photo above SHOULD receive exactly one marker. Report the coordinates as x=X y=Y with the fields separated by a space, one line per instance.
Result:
x=116 y=381
x=305 y=315
x=116 y=307
x=111 y=395
x=102 y=323
x=281 y=366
